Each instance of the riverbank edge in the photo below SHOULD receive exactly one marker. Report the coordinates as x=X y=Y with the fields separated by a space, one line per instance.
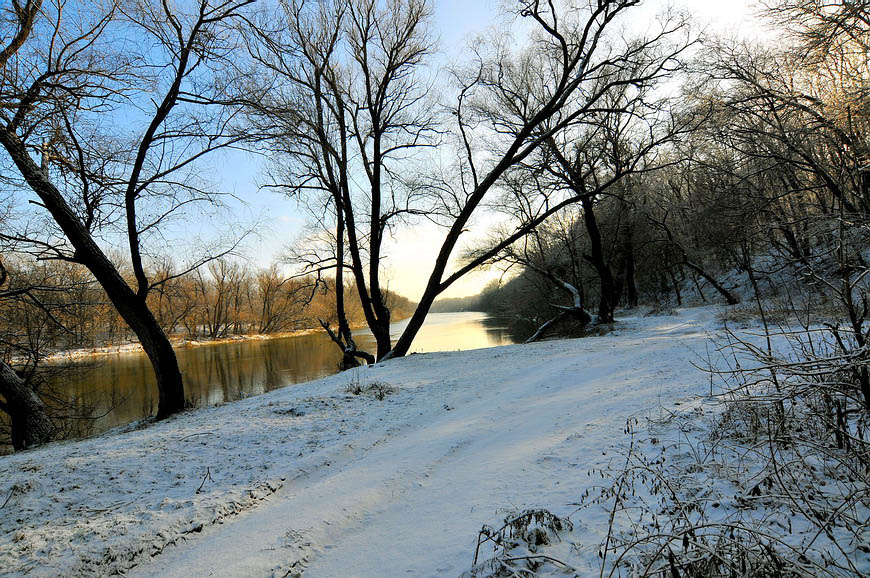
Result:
x=178 y=343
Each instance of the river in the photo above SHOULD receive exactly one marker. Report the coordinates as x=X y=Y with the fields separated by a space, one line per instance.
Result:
x=120 y=388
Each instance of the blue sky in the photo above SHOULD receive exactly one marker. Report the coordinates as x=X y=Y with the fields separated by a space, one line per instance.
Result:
x=455 y=22
x=409 y=255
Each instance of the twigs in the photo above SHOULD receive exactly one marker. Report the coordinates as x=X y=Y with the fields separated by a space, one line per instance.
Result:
x=12 y=492
x=203 y=433
x=794 y=453
x=207 y=476
x=616 y=500
x=521 y=533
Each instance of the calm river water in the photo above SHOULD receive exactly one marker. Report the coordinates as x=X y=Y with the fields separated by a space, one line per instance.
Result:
x=215 y=373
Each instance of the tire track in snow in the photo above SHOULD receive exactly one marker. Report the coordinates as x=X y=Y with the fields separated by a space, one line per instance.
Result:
x=452 y=469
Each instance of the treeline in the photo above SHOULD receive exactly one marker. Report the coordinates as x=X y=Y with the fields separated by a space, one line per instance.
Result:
x=768 y=195
x=453 y=304
x=766 y=201
x=60 y=306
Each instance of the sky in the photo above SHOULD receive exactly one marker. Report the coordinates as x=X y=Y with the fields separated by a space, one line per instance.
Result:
x=409 y=255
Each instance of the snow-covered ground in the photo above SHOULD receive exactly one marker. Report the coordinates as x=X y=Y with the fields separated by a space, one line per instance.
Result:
x=313 y=479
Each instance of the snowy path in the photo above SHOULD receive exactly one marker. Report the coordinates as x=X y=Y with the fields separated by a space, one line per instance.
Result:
x=506 y=429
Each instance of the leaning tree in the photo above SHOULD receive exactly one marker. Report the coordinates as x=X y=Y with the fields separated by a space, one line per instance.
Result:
x=515 y=104
x=108 y=108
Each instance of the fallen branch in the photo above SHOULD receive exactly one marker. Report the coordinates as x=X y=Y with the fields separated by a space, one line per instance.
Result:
x=546 y=326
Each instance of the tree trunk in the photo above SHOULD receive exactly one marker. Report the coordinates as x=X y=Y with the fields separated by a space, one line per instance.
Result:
x=543 y=328
x=31 y=425
x=698 y=287
x=403 y=345
x=596 y=258
x=129 y=305
x=630 y=270
x=344 y=337
x=676 y=285
x=170 y=385
x=381 y=330
x=730 y=298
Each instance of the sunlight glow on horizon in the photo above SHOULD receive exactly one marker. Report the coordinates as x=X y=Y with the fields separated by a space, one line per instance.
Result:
x=410 y=254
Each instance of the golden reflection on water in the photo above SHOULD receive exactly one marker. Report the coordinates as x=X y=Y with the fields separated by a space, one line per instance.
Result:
x=121 y=387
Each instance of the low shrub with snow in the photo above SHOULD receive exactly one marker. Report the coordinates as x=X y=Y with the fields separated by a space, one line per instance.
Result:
x=766 y=478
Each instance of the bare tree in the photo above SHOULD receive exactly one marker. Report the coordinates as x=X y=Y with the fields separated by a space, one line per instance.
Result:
x=219 y=296
x=520 y=105
x=550 y=251
x=346 y=109
x=277 y=301
x=106 y=110
x=172 y=301
x=349 y=100
x=682 y=211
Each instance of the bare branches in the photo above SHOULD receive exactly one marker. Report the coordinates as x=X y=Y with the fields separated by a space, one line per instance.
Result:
x=348 y=109
x=82 y=80
x=823 y=29
x=88 y=69
x=570 y=77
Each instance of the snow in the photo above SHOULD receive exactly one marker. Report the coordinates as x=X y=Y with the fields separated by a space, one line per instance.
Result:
x=135 y=347
x=312 y=479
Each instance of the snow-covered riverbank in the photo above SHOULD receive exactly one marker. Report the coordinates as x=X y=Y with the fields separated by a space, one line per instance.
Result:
x=177 y=342
x=315 y=478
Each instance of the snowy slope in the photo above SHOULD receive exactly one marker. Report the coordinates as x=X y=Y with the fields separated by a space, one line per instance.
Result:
x=313 y=478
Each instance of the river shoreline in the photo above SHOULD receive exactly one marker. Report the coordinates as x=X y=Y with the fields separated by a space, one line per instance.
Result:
x=117 y=383
x=177 y=343
x=181 y=342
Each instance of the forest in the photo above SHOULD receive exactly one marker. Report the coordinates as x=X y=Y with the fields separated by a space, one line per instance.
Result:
x=53 y=306
x=595 y=164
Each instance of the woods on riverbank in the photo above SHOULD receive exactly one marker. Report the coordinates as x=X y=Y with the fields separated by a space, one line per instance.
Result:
x=61 y=308
x=597 y=161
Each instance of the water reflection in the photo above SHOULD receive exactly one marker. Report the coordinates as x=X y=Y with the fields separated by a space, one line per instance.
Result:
x=213 y=374
x=457 y=332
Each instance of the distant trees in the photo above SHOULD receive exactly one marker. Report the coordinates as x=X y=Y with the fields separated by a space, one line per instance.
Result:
x=224 y=299
x=549 y=260
x=278 y=300
x=106 y=110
